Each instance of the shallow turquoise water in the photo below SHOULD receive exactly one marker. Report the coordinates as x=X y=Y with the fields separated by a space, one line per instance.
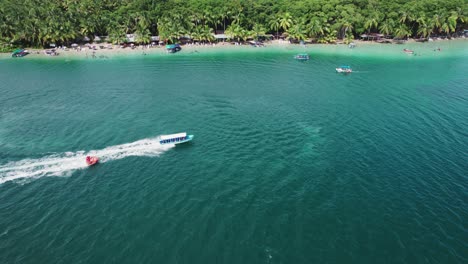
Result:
x=291 y=162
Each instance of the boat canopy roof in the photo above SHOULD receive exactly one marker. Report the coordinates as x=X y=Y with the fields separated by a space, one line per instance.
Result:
x=345 y=67
x=18 y=51
x=178 y=135
x=172 y=46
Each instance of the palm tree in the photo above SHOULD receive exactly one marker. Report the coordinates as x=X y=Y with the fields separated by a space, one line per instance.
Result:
x=274 y=24
x=437 y=22
x=202 y=33
x=216 y=19
x=258 y=30
x=386 y=27
x=235 y=31
x=169 y=30
x=143 y=35
x=195 y=18
x=87 y=30
x=452 y=23
x=402 y=31
x=371 y=22
x=225 y=14
x=406 y=16
x=207 y=34
x=425 y=27
x=237 y=17
x=117 y=35
x=297 y=32
x=285 y=21
x=424 y=30
x=207 y=17
x=345 y=26
x=196 y=33
x=457 y=15
x=316 y=27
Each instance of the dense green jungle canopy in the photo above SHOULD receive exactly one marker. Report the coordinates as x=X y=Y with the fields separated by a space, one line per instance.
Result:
x=38 y=23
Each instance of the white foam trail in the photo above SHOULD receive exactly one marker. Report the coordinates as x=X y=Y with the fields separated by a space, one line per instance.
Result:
x=63 y=164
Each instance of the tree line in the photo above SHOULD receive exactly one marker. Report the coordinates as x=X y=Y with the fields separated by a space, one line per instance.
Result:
x=37 y=23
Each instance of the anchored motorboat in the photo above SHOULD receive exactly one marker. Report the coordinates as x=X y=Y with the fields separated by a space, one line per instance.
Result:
x=344 y=69
x=408 y=51
x=302 y=56
x=173 y=48
x=19 y=53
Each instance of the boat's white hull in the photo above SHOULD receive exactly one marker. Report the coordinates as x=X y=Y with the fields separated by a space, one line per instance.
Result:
x=189 y=138
x=339 y=70
x=175 y=141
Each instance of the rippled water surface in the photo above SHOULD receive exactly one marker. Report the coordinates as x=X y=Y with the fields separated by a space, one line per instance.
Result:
x=291 y=162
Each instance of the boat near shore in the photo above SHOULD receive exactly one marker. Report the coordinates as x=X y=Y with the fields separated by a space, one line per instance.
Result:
x=408 y=51
x=302 y=57
x=178 y=138
x=173 y=48
x=344 y=69
x=19 y=53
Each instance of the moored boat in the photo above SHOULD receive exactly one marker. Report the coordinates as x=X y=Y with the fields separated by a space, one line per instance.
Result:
x=173 y=48
x=302 y=56
x=408 y=51
x=175 y=138
x=91 y=160
x=19 y=53
x=344 y=69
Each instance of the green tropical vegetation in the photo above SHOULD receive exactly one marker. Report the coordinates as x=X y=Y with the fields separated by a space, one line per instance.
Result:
x=37 y=23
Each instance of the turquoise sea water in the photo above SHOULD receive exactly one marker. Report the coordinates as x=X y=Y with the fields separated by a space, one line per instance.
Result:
x=291 y=162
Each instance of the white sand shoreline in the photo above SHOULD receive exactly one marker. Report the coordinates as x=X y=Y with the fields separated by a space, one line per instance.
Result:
x=116 y=51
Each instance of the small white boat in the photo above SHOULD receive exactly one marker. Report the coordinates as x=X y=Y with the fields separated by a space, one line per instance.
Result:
x=344 y=69
x=407 y=51
x=175 y=138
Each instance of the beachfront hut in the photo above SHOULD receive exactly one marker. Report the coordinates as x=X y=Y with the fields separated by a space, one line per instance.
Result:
x=154 y=40
x=220 y=37
x=371 y=36
x=367 y=37
x=185 y=39
x=130 y=38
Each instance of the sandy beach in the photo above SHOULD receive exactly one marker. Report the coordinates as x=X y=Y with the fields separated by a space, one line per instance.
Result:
x=102 y=50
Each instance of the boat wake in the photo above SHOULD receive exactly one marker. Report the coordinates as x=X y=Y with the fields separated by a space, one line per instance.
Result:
x=64 y=164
